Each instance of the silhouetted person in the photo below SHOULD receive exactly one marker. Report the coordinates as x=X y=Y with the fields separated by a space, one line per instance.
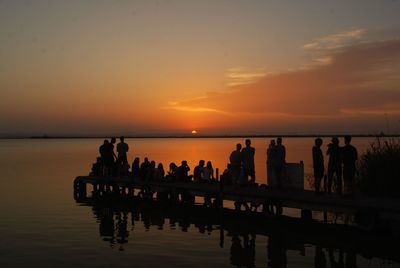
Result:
x=208 y=172
x=349 y=158
x=172 y=173
x=103 y=156
x=270 y=151
x=136 y=167
x=151 y=171
x=107 y=155
x=122 y=149
x=114 y=156
x=248 y=153
x=144 y=168
x=334 y=165
x=160 y=173
x=227 y=177
x=183 y=171
x=236 y=163
x=278 y=161
x=198 y=171
x=318 y=164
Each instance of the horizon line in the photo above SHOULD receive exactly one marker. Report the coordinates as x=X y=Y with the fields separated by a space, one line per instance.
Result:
x=193 y=136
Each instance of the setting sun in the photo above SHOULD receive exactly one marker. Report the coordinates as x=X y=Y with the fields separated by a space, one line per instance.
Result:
x=194 y=131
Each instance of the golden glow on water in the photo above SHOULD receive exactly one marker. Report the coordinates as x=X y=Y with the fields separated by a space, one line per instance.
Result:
x=40 y=216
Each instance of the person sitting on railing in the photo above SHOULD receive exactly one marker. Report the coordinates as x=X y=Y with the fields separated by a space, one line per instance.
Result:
x=227 y=177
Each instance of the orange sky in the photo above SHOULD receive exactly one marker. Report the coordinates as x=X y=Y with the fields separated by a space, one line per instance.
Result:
x=168 y=67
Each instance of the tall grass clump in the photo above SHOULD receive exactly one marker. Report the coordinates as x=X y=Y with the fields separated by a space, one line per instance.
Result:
x=379 y=168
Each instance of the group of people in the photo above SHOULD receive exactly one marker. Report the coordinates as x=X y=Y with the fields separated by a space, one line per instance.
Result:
x=341 y=164
x=109 y=163
x=241 y=168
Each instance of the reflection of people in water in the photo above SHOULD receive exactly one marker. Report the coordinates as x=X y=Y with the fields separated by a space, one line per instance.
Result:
x=276 y=251
x=243 y=255
x=319 y=258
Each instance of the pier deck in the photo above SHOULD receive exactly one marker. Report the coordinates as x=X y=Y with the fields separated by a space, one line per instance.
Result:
x=382 y=208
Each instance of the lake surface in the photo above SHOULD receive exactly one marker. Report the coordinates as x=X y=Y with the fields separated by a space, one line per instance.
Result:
x=42 y=225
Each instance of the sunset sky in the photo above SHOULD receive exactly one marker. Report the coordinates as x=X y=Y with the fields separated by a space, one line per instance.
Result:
x=219 y=67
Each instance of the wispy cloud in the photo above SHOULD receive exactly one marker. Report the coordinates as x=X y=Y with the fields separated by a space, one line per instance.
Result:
x=187 y=107
x=242 y=76
x=337 y=40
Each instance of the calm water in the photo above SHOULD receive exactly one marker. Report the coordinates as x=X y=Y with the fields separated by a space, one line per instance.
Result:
x=41 y=224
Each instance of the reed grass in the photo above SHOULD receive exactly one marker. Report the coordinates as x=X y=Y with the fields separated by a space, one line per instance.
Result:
x=379 y=168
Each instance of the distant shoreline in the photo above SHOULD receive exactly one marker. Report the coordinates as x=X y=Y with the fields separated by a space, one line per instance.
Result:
x=206 y=136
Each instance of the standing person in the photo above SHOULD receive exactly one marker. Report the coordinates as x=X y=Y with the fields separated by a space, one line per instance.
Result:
x=103 y=149
x=270 y=156
x=318 y=164
x=122 y=149
x=136 y=167
x=183 y=172
x=278 y=161
x=349 y=158
x=198 y=171
x=236 y=162
x=248 y=153
x=334 y=165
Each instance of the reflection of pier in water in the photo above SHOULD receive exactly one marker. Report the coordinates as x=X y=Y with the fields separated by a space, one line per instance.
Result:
x=337 y=244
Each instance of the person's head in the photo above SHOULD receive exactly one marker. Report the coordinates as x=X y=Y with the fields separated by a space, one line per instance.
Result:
x=113 y=140
x=272 y=142
x=238 y=147
x=318 y=142
x=172 y=166
x=248 y=142
x=136 y=160
x=146 y=159
x=160 y=166
x=152 y=164
x=122 y=138
x=279 y=140
x=105 y=142
x=347 y=139
x=184 y=163
x=209 y=165
x=335 y=140
x=201 y=163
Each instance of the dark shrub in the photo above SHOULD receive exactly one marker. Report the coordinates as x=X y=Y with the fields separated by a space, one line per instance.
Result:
x=379 y=168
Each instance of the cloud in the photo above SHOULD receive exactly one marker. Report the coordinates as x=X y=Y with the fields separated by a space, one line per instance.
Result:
x=242 y=76
x=337 y=40
x=359 y=81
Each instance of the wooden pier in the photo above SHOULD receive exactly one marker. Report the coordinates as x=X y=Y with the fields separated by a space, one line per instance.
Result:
x=369 y=209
